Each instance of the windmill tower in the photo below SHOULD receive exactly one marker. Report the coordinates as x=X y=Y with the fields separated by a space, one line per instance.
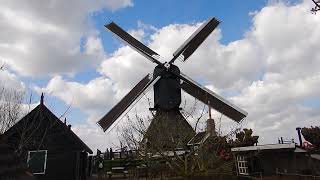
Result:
x=169 y=125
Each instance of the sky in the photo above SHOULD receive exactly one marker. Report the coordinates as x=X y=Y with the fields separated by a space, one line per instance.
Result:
x=262 y=57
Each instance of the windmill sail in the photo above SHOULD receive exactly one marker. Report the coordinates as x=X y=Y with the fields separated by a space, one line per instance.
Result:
x=195 y=40
x=214 y=100
x=125 y=103
x=132 y=42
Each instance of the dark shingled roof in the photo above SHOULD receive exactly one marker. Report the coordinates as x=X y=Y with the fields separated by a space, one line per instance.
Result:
x=41 y=112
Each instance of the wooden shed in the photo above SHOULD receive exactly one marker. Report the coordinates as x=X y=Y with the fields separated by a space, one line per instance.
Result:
x=275 y=159
x=49 y=146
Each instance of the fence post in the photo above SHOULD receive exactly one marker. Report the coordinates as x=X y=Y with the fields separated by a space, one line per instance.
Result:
x=260 y=175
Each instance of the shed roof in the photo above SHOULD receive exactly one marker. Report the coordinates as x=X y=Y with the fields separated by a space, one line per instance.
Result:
x=264 y=147
x=199 y=138
x=41 y=111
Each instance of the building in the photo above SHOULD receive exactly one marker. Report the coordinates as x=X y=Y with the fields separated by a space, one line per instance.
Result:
x=49 y=146
x=275 y=159
x=201 y=137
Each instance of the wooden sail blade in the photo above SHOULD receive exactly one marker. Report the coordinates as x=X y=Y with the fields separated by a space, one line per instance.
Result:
x=134 y=43
x=125 y=102
x=212 y=99
x=195 y=40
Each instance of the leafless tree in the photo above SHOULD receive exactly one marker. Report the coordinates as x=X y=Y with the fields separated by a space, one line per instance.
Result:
x=316 y=8
x=2 y=66
x=10 y=107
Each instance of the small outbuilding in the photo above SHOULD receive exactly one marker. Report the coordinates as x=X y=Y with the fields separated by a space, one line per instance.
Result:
x=49 y=146
x=275 y=159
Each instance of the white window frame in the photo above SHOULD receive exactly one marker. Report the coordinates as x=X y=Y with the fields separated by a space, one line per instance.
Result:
x=242 y=165
x=45 y=160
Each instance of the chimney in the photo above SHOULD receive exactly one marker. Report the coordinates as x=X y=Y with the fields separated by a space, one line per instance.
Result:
x=211 y=127
x=69 y=126
x=41 y=99
x=65 y=121
x=299 y=135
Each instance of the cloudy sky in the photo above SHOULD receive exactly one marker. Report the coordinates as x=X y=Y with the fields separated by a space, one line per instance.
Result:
x=263 y=57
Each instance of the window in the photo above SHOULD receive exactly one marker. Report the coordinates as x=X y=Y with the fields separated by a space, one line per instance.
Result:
x=37 y=161
x=242 y=165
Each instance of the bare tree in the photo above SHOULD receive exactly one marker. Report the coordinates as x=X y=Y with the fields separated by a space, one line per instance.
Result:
x=2 y=66
x=312 y=134
x=10 y=107
x=316 y=8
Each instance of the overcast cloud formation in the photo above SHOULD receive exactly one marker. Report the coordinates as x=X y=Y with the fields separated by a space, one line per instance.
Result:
x=43 y=37
x=272 y=72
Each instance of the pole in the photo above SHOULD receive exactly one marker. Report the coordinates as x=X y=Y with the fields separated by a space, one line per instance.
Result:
x=209 y=109
x=299 y=135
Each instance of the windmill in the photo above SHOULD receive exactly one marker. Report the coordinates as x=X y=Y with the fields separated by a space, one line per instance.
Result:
x=167 y=81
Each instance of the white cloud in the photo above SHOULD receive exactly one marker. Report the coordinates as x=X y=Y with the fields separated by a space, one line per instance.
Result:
x=94 y=137
x=44 y=37
x=93 y=98
x=126 y=67
x=94 y=47
x=8 y=80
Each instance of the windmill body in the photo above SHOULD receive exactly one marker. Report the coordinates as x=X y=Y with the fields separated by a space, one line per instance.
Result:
x=169 y=128
x=167 y=90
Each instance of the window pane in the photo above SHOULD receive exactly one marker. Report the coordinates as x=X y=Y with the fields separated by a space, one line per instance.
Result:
x=37 y=161
x=242 y=165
